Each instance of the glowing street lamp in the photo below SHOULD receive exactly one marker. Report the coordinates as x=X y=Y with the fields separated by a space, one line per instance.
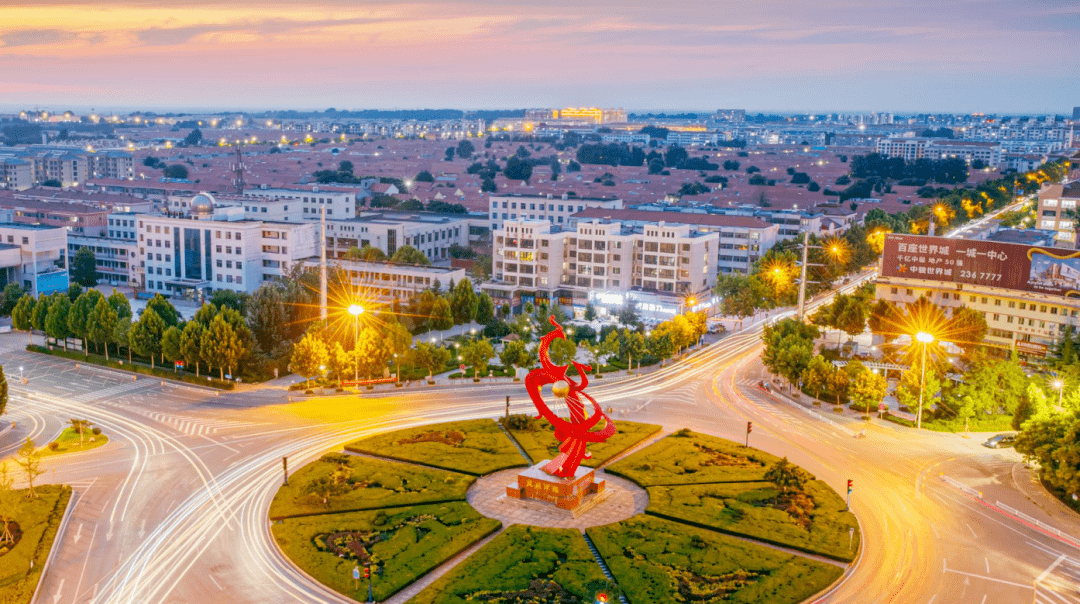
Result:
x=926 y=339
x=1060 y=385
x=356 y=310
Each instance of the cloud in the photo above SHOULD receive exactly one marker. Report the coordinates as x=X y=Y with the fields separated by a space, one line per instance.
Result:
x=36 y=37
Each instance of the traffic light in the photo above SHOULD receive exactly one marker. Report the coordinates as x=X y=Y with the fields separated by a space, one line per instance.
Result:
x=850 y=482
x=367 y=572
x=601 y=598
x=749 y=427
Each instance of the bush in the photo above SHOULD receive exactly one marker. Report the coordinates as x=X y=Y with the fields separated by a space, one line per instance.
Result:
x=39 y=520
x=53 y=446
x=96 y=431
x=653 y=559
x=475 y=447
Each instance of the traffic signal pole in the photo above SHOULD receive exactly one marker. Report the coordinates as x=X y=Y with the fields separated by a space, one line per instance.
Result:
x=850 y=483
x=749 y=429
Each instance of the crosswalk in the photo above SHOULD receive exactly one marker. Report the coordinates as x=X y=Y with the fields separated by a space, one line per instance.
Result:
x=196 y=427
x=110 y=392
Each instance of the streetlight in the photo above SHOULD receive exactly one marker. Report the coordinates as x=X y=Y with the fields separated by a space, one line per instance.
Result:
x=926 y=339
x=1060 y=385
x=356 y=310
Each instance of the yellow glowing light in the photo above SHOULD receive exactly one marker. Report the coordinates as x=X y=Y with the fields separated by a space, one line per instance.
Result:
x=924 y=337
x=356 y=310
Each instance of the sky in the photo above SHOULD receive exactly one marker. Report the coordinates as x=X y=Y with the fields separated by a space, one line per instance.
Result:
x=993 y=56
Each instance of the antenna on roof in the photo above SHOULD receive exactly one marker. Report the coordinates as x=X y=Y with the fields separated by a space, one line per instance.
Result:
x=238 y=170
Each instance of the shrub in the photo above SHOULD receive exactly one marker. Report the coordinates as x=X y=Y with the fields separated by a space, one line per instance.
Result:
x=96 y=431
x=53 y=446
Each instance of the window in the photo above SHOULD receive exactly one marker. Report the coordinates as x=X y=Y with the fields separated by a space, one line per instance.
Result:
x=219 y=262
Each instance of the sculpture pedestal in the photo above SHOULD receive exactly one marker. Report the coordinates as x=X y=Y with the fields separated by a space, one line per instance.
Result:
x=575 y=494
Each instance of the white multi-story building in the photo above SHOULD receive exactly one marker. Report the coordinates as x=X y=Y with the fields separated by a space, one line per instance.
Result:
x=33 y=256
x=111 y=164
x=117 y=259
x=386 y=283
x=217 y=249
x=663 y=267
x=312 y=200
x=555 y=210
x=988 y=152
x=910 y=149
x=1055 y=201
x=16 y=173
x=432 y=234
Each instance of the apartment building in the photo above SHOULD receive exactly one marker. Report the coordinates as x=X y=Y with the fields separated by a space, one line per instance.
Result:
x=111 y=164
x=214 y=249
x=1055 y=202
x=76 y=217
x=742 y=239
x=910 y=149
x=989 y=153
x=660 y=266
x=34 y=256
x=117 y=260
x=555 y=210
x=16 y=173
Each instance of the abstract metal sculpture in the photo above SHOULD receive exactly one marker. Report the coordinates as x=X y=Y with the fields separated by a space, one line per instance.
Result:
x=575 y=434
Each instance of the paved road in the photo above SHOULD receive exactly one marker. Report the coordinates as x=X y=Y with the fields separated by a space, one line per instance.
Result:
x=174 y=508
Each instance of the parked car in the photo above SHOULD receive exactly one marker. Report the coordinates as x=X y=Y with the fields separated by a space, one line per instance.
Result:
x=999 y=441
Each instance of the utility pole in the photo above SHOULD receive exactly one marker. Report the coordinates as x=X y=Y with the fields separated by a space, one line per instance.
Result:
x=802 y=275
x=285 y=469
x=322 y=264
x=507 y=407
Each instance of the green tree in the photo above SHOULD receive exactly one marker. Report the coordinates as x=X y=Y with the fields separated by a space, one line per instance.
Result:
x=80 y=314
x=477 y=354
x=339 y=364
x=164 y=309
x=562 y=351
x=867 y=389
x=171 y=344
x=818 y=375
x=373 y=352
x=80 y=426
x=11 y=504
x=1053 y=442
x=222 y=345
x=463 y=302
x=309 y=355
x=146 y=334
x=465 y=149
x=178 y=171
x=407 y=254
x=590 y=312
x=227 y=298
x=3 y=391
x=365 y=254
x=101 y=324
x=514 y=354
x=632 y=345
x=485 y=309
x=56 y=325
x=120 y=305
x=193 y=138
x=29 y=459
x=74 y=290
x=883 y=319
x=789 y=346
x=22 y=317
x=191 y=345
x=84 y=267
x=430 y=357
x=122 y=335
x=442 y=317
x=10 y=298
x=268 y=318
x=40 y=312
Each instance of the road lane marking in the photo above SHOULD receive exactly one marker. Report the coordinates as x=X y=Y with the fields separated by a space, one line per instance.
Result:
x=973 y=533
x=987 y=560
x=1051 y=568
x=219 y=444
x=215 y=581
x=994 y=579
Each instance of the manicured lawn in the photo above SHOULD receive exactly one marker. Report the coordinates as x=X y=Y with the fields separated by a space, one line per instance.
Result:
x=539 y=441
x=656 y=561
x=745 y=508
x=689 y=458
x=476 y=447
x=69 y=442
x=38 y=520
x=521 y=558
x=371 y=483
x=403 y=543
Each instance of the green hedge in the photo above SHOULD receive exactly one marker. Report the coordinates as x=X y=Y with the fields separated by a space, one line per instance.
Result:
x=512 y=562
x=745 y=509
x=39 y=519
x=689 y=458
x=656 y=561
x=476 y=447
x=373 y=483
x=538 y=439
x=113 y=363
x=412 y=542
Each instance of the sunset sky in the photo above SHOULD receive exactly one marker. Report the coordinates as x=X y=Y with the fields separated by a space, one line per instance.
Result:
x=885 y=55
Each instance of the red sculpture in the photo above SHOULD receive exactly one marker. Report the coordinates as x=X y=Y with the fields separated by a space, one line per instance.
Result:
x=574 y=435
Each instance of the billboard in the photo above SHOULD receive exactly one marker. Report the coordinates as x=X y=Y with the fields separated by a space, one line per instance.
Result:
x=1006 y=265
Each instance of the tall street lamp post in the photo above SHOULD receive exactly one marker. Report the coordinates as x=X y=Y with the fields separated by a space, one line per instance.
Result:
x=1060 y=385
x=356 y=310
x=926 y=339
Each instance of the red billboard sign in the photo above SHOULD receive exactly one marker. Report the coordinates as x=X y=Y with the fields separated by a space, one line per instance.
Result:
x=1005 y=265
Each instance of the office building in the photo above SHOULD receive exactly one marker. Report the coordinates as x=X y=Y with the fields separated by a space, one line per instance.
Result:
x=432 y=234
x=386 y=283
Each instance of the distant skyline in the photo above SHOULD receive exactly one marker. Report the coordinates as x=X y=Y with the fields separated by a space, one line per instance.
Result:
x=992 y=56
